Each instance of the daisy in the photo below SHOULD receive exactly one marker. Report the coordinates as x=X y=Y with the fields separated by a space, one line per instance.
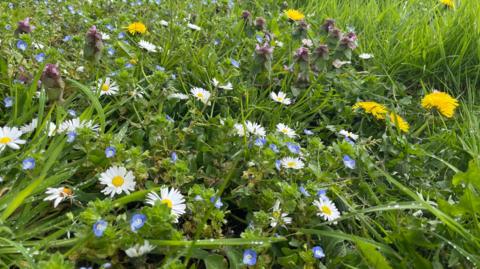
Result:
x=227 y=87
x=292 y=163
x=194 y=27
x=294 y=15
x=58 y=195
x=399 y=122
x=284 y=129
x=374 y=108
x=30 y=127
x=137 y=27
x=338 y=63
x=239 y=129
x=278 y=217
x=10 y=137
x=327 y=209
x=442 y=101
x=107 y=87
x=172 y=198
x=139 y=250
x=255 y=128
x=201 y=94
x=117 y=180
x=281 y=98
x=147 y=46
x=74 y=124
x=348 y=134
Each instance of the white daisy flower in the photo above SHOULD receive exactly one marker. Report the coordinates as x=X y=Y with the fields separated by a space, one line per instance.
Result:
x=327 y=209
x=58 y=195
x=348 y=134
x=215 y=82
x=338 y=63
x=365 y=56
x=30 y=127
x=201 y=94
x=279 y=218
x=139 y=250
x=147 y=46
x=194 y=27
x=163 y=23
x=172 y=198
x=284 y=129
x=179 y=96
x=292 y=163
x=239 y=129
x=10 y=137
x=107 y=87
x=227 y=87
x=281 y=98
x=74 y=124
x=255 y=128
x=117 y=180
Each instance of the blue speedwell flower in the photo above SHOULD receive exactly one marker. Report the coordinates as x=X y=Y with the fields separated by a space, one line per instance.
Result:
x=307 y=132
x=137 y=221
x=278 y=164
x=217 y=202
x=234 y=62
x=318 y=252
x=8 y=101
x=28 y=163
x=173 y=157
x=348 y=162
x=110 y=152
x=111 y=51
x=304 y=191
x=72 y=113
x=260 y=142
x=40 y=57
x=22 y=45
x=274 y=148
x=99 y=228
x=249 y=257
x=71 y=136
x=67 y=38
x=293 y=148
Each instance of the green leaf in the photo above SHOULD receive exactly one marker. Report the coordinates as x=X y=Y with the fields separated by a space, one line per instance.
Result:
x=471 y=176
x=374 y=258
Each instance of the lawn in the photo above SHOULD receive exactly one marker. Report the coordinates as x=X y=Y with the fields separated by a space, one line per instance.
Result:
x=239 y=134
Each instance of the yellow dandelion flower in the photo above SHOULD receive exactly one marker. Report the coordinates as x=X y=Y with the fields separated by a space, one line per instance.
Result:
x=448 y=3
x=137 y=27
x=294 y=15
x=374 y=108
x=399 y=122
x=443 y=102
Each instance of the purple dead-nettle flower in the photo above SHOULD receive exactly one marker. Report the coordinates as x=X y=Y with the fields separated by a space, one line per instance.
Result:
x=349 y=41
x=264 y=51
x=335 y=33
x=302 y=26
x=322 y=52
x=24 y=27
x=53 y=82
x=301 y=55
x=246 y=15
x=260 y=23
x=92 y=50
x=328 y=25
x=23 y=76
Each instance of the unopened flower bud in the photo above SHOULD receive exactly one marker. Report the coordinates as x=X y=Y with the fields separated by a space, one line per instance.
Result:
x=260 y=23
x=302 y=54
x=24 y=27
x=93 y=45
x=53 y=82
x=328 y=25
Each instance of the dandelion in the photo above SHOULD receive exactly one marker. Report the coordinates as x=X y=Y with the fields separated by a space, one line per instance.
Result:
x=448 y=3
x=117 y=180
x=99 y=228
x=279 y=218
x=139 y=250
x=137 y=221
x=249 y=257
x=201 y=94
x=284 y=129
x=442 y=101
x=399 y=122
x=348 y=162
x=327 y=209
x=107 y=87
x=10 y=137
x=292 y=163
x=294 y=15
x=318 y=252
x=58 y=195
x=110 y=152
x=147 y=46
x=137 y=28
x=281 y=98
x=172 y=198
x=374 y=108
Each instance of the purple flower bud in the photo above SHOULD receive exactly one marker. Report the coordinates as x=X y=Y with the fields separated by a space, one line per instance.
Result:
x=24 y=27
x=349 y=41
x=322 y=52
x=335 y=33
x=260 y=23
x=302 y=54
x=53 y=82
x=264 y=51
x=93 y=45
x=246 y=15
x=328 y=25
x=302 y=26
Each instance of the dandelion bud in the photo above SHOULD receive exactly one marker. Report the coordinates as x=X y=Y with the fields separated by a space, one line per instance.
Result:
x=93 y=45
x=53 y=82
x=260 y=23
x=328 y=25
x=302 y=54
x=24 y=27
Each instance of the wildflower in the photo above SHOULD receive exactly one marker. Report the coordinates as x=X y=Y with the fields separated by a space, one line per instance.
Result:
x=448 y=3
x=278 y=164
x=302 y=54
x=441 y=101
x=260 y=142
x=75 y=124
x=201 y=94
x=365 y=56
x=40 y=57
x=67 y=38
x=8 y=101
x=264 y=51
x=24 y=27
x=173 y=157
x=249 y=257
x=239 y=129
x=217 y=202
x=110 y=152
x=274 y=148
x=71 y=136
x=227 y=86
x=246 y=15
x=348 y=134
x=99 y=228
x=107 y=87
x=307 y=42
x=349 y=41
x=194 y=27
x=53 y=82
x=105 y=36
x=92 y=49
x=72 y=113
x=179 y=96
x=327 y=209
x=328 y=25
x=293 y=148
x=292 y=163
x=22 y=45
x=399 y=122
x=28 y=163
x=137 y=221
x=281 y=98
x=58 y=195
x=117 y=180
x=255 y=129
x=139 y=250
x=137 y=27
x=164 y=23
x=279 y=218
x=284 y=129
x=294 y=15
x=147 y=46
x=307 y=132
x=337 y=63
x=318 y=252
x=234 y=62
x=10 y=137
x=374 y=108
x=111 y=51
x=172 y=198
x=260 y=23
x=304 y=191
x=348 y=162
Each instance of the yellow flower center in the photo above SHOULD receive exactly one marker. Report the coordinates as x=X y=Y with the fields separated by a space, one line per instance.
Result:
x=325 y=209
x=66 y=191
x=291 y=164
x=284 y=130
x=5 y=140
x=200 y=95
x=276 y=214
x=105 y=87
x=117 y=181
x=168 y=202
